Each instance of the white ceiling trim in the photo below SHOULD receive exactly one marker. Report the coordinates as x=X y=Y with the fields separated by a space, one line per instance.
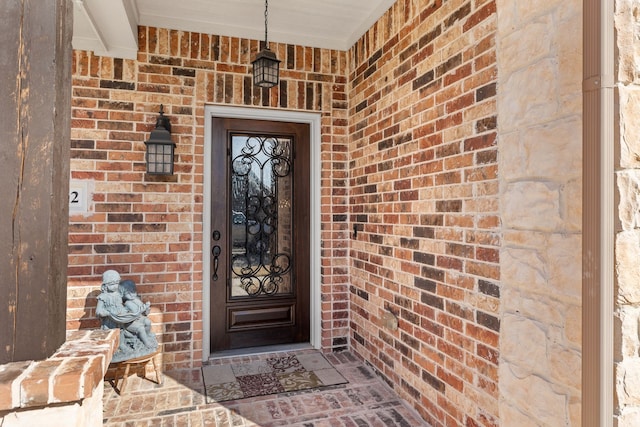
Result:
x=298 y=38
x=379 y=10
x=81 y=13
x=109 y=27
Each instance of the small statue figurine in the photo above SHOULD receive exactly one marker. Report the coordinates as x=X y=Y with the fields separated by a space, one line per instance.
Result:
x=119 y=306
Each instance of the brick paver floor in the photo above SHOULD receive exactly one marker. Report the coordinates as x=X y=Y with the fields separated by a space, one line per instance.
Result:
x=365 y=401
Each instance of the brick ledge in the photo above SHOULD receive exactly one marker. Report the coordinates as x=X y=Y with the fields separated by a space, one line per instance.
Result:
x=71 y=374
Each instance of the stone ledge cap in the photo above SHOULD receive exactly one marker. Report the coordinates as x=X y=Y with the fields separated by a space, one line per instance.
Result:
x=69 y=375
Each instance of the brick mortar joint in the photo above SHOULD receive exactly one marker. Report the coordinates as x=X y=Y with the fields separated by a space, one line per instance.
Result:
x=83 y=347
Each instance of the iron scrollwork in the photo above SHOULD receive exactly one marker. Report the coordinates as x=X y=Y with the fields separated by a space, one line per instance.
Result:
x=258 y=262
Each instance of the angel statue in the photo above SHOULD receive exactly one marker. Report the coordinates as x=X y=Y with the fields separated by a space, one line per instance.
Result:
x=119 y=306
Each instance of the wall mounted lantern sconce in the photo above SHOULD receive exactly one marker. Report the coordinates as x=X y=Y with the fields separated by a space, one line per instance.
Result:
x=266 y=67
x=160 y=147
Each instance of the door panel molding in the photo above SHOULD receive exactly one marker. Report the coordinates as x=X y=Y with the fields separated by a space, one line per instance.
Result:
x=313 y=120
x=249 y=318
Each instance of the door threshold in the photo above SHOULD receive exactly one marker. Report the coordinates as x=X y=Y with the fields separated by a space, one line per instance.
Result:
x=251 y=351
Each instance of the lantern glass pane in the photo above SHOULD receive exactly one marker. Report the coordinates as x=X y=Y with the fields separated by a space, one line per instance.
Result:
x=166 y=159
x=265 y=72
x=160 y=158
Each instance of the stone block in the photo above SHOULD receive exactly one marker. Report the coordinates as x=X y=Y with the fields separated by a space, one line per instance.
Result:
x=573 y=324
x=511 y=155
x=628 y=267
x=626 y=40
x=535 y=306
x=528 y=11
x=629 y=111
x=566 y=366
x=533 y=395
x=627 y=382
x=524 y=344
x=568 y=45
x=563 y=254
x=528 y=96
x=553 y=151
x=511 y=416
x=532 y=205
x=527 y=44
x=543 y=263
x=626 y=330
x=571 y=196
x=508 y=19
x=523 y=268
x=628 y=418
x=575 y=411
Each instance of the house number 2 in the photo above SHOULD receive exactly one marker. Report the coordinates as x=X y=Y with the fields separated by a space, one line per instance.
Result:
x=78 y=202
x=74 y=197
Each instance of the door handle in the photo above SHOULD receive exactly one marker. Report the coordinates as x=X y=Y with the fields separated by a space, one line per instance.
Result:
x=216 y=253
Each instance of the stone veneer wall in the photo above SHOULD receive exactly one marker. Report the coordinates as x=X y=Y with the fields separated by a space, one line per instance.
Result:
x=150 y=230
x=627 y=297
x=540 y=159
x=424 y=203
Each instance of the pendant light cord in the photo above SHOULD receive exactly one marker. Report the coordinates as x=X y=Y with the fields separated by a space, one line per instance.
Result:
x=266 y=16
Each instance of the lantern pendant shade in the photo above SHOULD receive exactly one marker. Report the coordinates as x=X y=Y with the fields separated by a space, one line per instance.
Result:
x=160 y=148
x=266 y=69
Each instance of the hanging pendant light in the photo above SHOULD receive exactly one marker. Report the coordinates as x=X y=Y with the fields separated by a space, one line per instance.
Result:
x=266 y=66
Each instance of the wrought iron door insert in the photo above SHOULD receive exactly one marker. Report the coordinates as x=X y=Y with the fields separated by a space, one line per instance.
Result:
x=261 y=203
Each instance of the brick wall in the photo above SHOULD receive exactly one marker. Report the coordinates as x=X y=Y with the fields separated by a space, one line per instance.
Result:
x=424 y=202
x=150 y=230
x=423 y=220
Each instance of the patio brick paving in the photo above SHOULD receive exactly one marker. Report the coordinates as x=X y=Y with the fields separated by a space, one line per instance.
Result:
x=365 y=401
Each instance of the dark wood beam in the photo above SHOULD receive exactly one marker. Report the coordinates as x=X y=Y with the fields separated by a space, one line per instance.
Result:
x=35 y=88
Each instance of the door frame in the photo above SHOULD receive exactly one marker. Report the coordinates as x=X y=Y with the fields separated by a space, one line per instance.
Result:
x=313 y=120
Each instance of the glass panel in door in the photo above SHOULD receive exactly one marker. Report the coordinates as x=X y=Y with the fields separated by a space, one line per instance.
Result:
x=261 y=191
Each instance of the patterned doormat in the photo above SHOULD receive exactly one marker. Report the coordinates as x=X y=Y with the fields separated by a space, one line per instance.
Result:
x=271 y=374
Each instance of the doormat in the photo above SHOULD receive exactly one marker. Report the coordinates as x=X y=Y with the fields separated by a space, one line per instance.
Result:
x=272 y=374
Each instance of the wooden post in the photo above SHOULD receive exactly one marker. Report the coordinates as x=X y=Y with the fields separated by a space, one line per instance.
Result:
x=35 y=89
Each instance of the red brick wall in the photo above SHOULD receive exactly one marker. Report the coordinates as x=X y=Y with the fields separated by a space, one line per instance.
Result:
x=150 y=230
x=424 y=202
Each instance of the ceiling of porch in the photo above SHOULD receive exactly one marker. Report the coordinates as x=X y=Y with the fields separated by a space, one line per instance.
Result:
x=109 y=28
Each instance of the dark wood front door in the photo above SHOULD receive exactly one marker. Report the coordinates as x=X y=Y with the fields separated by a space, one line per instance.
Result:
x=260 y=233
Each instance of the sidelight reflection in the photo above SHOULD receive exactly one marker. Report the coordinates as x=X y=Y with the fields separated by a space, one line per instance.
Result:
x=261 y=188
